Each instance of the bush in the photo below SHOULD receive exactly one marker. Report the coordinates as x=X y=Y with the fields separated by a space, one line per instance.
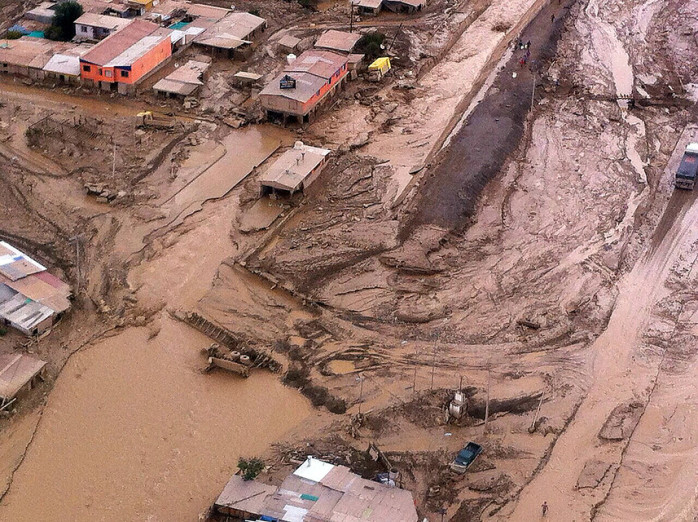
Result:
x=13 y=35
x=250 y=468
x=3 y=331
x=370 y=45
x=64 y=21
x=254 y=11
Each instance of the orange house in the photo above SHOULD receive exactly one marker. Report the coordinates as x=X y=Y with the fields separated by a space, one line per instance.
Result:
x=298 y=91
x=124 y=58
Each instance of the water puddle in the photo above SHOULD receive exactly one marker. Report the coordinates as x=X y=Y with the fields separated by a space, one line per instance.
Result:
x=341 y=367
x=134 y=431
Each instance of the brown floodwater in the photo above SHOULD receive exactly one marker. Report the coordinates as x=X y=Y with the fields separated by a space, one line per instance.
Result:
x=134 y=431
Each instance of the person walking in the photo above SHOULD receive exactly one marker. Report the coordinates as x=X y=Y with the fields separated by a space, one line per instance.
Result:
x=545 y=508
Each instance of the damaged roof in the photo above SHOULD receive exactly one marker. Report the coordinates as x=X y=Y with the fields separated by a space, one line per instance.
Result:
x=293 y=167
x=16 y=370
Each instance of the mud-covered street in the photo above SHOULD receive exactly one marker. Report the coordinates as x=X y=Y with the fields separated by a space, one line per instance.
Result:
x=494 y=216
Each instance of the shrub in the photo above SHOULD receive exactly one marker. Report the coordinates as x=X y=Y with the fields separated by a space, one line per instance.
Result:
x=53 y=32
x=64 y=20
x=3 y=331
x=250 y=468
x=13 y=35
x=254 y=11
x=370 y=44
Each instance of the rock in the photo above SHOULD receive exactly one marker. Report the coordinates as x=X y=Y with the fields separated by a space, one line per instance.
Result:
x=360 y=141
x=390 y=107
x=140 y=320
x=102 y=199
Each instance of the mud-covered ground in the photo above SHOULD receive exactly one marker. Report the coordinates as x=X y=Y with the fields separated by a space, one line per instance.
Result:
x=566 y=297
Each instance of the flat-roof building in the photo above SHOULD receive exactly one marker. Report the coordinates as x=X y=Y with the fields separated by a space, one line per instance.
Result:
x=295 y=170
x=92 y=26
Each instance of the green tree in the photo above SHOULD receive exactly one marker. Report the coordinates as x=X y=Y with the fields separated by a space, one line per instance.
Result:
x=13 y=35
x=64 y=20
x=370 y=44
x=250 y=468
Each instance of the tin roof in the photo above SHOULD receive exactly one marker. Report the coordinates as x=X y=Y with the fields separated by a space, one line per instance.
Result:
x=23 y=313
x=119 y=45
x=206 y=11
x=323 y=64
x=26 y=52
x=307 y=85
x=245 y=495
x=368 y=4
x=289 y=41
x=16 y=370
x=232 y=31
x=104 y=21
x=288 y=173
x=338 y=40
x=15 y=264
x=63 y=64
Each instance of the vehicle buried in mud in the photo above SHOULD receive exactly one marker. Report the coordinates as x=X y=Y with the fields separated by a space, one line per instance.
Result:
x=466 y=457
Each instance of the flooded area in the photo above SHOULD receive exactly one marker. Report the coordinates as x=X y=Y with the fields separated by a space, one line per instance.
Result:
x=135 y=431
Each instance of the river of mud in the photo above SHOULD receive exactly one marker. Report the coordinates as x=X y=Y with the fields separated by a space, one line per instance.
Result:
x=134 y=430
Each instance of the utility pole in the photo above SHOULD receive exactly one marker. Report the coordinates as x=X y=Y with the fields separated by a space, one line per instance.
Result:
x=361 y=391
x=113 y=163
x=351 y=16
x=433 y=368
x=77 y=259
x=487 y=403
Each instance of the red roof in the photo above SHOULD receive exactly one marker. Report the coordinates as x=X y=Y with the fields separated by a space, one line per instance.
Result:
x=116 y=43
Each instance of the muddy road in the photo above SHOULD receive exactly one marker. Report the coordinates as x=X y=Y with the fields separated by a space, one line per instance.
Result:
x=476 y=153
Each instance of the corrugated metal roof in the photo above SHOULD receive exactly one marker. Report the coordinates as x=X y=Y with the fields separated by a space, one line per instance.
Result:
x=15 y=264
x=16 y=370
x=174 y=87
x=323 y=64
x=26 y=52
x=63 y=64
x=245 y=495
x=135 y=51
x=232 y=31
x=119 y=42
x=206 y=11
x=338 y=40
x=23 y=313
x=307 y=85
x=368 y=4
x=103 y=21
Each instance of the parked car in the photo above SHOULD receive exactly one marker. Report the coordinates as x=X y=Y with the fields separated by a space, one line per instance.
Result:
x=465 y=457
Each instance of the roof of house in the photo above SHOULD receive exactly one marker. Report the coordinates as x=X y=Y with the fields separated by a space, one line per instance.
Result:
x=206 y=11
x=15 y=264
x=322 y=492
x=230 y=32
x=105 y=21
x=43 y=10
x=24 y=313
x=26 y=52
x=317 y=62
x=411 y=3
x=338 y=40
x=63 y=64
x=125 y=46
x=183 y=80
x=289 y=41
x=368 y=4
x=245 y=75
x=288 y=173
x=244 y=495
x=16 y=370
x=307 y=85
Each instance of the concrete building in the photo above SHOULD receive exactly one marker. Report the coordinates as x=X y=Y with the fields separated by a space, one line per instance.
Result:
x=294 y=171
x=339 y=41
x=304 y=85
x=31 y=299
x=317 y=492
x=184 y=81
x=97 y=27
x=19 y=373
x=127 y=57
x=232 y=34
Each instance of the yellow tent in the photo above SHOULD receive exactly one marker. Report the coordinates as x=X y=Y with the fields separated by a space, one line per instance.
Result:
x=381 y=64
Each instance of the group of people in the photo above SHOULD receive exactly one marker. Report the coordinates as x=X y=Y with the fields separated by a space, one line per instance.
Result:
x=521 y=46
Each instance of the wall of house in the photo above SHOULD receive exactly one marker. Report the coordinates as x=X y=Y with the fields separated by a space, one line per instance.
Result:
x=89 y=32
x=314 y=174
x=129 y=75
x=22 y=70
x=335 y=80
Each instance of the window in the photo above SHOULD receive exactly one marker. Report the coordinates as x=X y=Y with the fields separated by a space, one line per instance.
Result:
x=107 y=74
x=99 y=71
x=83 y=28
x=124 y=74
x=86 y=68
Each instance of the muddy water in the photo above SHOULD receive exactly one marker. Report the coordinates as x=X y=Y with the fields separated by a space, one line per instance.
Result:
x=244 y=150
x=134 y=431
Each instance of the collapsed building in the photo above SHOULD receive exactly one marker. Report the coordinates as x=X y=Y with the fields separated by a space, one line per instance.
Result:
x=31 y=299
x=231 y=34
x=304 y=85
x=316 y=492
x=19 y=373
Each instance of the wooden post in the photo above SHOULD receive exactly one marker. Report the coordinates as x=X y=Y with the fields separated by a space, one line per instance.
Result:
x=433 y=368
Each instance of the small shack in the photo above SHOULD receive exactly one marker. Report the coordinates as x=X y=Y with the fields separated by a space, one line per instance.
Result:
x=294 y=171
x=231 y=34
x=337 y=41
x=246 y=79
x=18 y=373
x=367 y=7
x=183 y=81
